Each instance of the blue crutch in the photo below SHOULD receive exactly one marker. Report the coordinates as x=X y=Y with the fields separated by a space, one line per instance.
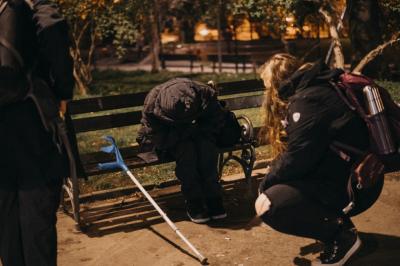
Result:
x=119 y=163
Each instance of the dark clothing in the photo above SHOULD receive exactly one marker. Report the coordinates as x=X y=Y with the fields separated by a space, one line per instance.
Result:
x=181 y=117
x=316 y=117
x=294 y=211
x=26 y=146
x=196 y=168
x=178 y=109
x=307 y=184
x=27 y=222
x=19 y=122
x=30 y=165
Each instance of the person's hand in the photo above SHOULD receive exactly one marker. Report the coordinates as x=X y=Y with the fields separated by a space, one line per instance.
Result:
x=262 y=204
x=63 y=108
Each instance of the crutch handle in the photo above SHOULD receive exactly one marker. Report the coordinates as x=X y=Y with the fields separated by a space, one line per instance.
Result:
x=109 y=166
x=119 y=161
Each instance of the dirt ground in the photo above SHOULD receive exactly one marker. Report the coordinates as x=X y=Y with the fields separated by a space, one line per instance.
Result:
x=130 y=232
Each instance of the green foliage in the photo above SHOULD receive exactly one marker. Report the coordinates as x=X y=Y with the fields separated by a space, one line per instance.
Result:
x=270 y=12
x=391 y=17
x=104 y=19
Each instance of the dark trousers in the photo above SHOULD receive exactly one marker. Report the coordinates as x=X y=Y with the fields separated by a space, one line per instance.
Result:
x=308 y=209
x=294 y=212
x=28 y=225
x=196 y=168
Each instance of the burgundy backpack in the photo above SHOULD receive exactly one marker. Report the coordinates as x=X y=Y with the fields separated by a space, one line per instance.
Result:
x=383 y=123
x=351 y=89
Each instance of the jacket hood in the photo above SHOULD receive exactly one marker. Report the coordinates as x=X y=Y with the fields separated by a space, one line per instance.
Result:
x=318 y=74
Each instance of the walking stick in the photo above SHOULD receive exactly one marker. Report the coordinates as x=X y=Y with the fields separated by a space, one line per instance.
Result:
x=119 y=163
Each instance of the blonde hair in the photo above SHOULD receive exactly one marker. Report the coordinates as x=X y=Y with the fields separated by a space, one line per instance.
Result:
x=277 y=69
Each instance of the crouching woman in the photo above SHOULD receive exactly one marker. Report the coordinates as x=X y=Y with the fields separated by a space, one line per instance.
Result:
x=305 y=191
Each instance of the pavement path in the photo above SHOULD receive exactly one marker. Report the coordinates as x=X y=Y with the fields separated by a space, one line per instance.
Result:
x=127 y=231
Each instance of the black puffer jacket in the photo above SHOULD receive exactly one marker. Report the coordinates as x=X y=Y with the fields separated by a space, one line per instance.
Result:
x=41 y=38
x=316 y=117
x=178 y=109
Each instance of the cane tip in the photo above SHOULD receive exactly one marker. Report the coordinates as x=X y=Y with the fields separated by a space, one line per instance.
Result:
x=204 y=261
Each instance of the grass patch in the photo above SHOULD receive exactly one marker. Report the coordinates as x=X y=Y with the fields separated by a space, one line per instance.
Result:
x=393 y=88
x=111 y=82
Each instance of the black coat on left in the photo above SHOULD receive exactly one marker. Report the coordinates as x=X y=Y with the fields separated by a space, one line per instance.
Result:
x=41 y=38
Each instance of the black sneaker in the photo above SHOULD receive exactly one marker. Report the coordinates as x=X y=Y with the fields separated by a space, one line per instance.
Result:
x=196 y=212
x=340 y=250
x=216 y=209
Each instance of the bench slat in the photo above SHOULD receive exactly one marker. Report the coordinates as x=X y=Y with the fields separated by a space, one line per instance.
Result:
x=129 y=155
x=132 y=118
x=102 y=157
x=107 y=121
x=244 y=102
x=242 y=86
x=105 y=103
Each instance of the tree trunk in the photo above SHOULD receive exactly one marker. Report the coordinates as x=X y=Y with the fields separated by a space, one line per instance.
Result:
x=365 y=32
x=155 y=37
x=187 y=31
x=337 y=48
x=219 y=44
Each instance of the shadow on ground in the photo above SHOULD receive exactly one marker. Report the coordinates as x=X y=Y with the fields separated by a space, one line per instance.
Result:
x=376 y=249
x=137 y=213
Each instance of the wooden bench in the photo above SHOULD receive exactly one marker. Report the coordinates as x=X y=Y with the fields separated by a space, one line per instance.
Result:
x=77 y=123
x=180 y=57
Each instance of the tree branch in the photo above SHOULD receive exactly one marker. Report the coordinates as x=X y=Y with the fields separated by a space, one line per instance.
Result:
x=372 y=54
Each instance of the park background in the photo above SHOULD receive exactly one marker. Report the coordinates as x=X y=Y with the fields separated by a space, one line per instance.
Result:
x=129 y=46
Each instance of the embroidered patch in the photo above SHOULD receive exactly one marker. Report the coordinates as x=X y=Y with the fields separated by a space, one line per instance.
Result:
x=296 y=117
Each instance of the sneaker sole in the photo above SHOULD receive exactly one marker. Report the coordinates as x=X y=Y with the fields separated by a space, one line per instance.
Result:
x=346 y=257
x=199 y=221
x=219 y=216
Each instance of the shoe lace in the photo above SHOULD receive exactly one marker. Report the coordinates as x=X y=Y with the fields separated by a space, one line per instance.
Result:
x=330 y=252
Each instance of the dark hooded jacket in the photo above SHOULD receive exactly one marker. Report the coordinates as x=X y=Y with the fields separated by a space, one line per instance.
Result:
x=41 y=38
x=316 y=117
x=178 y=109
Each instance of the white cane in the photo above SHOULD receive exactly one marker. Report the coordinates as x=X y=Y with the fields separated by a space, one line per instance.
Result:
x=119 y=163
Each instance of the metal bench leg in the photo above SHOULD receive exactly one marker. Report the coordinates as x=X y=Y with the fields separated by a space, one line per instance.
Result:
x=249 y=156
x=246 y=160
x=220 y=164
x=62 y=198
x=71 y=186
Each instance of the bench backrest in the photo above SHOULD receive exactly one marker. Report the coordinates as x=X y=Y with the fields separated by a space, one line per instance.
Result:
x=80 y=121
x=230 y=58
x=176 y=57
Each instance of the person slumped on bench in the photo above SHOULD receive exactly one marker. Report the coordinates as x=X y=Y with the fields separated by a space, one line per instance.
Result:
x=181 y=118
x=305 y=191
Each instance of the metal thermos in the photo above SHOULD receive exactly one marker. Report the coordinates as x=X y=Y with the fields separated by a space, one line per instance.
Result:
x=381 y=136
